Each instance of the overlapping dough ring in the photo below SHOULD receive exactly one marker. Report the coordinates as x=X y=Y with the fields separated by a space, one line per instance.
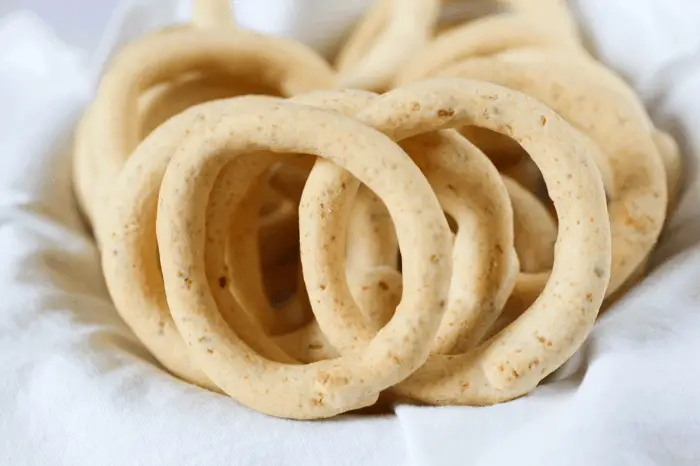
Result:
x=278 y=219
x=388 y=34
x=515 y=360
x=444 y=51
x=469 y=188
x=109 y=124
x=664 y=142
x=638 y=196
x=328 y=387
x=131 y=271
x=497 y=35
x=130 y=254
x=371 y=263
x=665 y=145
x=371 y=247
x=375 y=291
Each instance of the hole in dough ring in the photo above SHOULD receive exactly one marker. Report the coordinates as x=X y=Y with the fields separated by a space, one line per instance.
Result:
x=470 y=189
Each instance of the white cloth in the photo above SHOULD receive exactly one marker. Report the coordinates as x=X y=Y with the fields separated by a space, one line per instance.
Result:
x=77 y=388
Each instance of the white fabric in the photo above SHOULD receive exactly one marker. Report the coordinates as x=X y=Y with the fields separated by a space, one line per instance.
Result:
x=77 y=388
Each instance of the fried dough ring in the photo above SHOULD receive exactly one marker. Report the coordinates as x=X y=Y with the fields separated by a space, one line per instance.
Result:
x=638 y=197
x=325 y=388
x=469 y=188
x=130 y=254
x=515 y=360
x=138 y=295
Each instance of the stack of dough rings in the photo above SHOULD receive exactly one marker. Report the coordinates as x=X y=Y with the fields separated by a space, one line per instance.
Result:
x=436 y=217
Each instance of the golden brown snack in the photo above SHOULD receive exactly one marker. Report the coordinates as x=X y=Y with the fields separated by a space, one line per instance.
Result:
x=665 y=144
x=130 y=254
x=329 y=387
x=636 y=185
x=151 y=79
x=516 y=359
x=469 y=189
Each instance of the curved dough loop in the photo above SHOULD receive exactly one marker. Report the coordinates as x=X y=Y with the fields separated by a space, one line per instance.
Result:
x=639 y=195
x=516 y=359
x=328 y=387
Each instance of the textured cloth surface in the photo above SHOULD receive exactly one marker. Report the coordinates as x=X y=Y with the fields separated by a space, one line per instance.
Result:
x=77 y=388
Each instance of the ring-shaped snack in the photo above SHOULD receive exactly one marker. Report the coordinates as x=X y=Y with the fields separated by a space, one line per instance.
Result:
x=130 y=255
x=469 y=188
x=638 y=199
x=328 y=387
x=534 y=227
x=514 y=361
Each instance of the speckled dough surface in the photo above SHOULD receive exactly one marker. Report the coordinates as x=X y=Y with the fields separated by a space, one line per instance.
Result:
x=516 y=359
x=637 y=185
x=327 y=387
